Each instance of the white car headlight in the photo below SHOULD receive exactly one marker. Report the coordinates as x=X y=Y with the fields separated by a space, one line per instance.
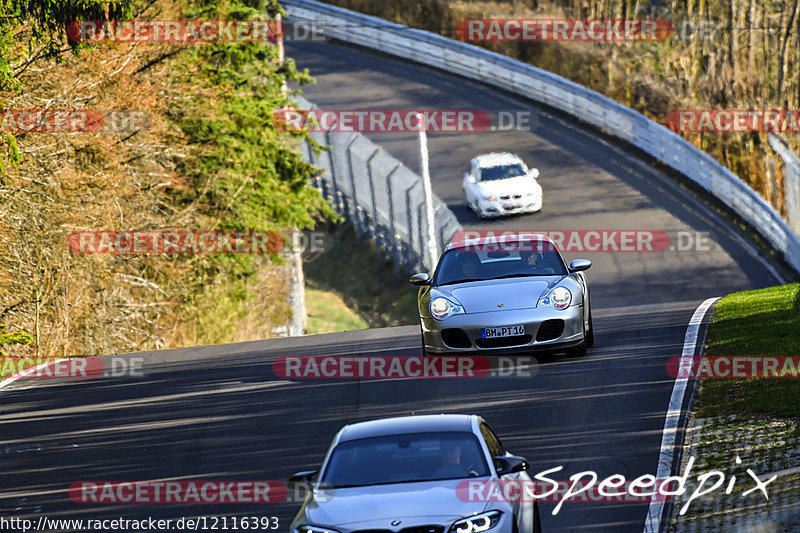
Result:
x=560 y=298
x=490 y=198
x=442 y=308
x=308 y=528
x=476 y=524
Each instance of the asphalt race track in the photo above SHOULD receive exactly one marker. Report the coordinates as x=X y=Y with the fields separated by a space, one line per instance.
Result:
x=220 y=412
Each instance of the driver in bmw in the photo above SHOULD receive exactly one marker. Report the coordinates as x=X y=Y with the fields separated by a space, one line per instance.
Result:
x=451 y=463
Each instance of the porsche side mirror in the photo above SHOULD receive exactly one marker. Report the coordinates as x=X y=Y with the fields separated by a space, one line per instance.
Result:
x=420 y=279
x=579 y=265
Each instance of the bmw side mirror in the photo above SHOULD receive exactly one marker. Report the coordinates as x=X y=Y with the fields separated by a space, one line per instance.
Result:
x=420 y=279
x=302 y=478
x=508 y=464
x=579 y=265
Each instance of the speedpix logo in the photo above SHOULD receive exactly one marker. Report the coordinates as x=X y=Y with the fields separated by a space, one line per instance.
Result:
x=587 y=486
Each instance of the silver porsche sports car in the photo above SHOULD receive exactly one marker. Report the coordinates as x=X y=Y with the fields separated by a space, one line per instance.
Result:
x=517 y=295
x=406 y=475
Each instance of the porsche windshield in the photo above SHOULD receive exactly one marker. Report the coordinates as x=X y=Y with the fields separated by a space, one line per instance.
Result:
x=404 y=459
x=502 y=172
x=459 y=265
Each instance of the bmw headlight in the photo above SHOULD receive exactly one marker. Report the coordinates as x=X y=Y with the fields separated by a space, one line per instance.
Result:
x=476 y=524
x=560 y=298
x=442 y=308
x=307 y=528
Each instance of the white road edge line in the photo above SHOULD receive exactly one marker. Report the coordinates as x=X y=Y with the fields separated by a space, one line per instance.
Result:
x=18 y=375
x=668 y=436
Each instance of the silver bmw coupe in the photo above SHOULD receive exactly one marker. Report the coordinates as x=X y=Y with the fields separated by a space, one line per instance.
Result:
x=514 y=295
x=408 y=475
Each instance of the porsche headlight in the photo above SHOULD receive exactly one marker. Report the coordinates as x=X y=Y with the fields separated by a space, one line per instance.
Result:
x=476 y=524
x=308 y=528
x=560 y=298
x=442 y=308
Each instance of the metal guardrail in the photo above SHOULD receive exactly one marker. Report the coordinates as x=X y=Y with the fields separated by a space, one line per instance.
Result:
x=791 y=179
x=501 y=71
x=383 y=198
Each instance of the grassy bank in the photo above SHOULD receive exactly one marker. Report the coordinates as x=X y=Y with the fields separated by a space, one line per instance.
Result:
x=361 y=280
x=761 y=322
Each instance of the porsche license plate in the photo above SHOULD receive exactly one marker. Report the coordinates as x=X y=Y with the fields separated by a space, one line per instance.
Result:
x=504 y=331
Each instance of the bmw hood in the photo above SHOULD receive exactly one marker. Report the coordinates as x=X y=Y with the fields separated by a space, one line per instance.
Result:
x=513 y=293
x=509 y=186
x=376 y=506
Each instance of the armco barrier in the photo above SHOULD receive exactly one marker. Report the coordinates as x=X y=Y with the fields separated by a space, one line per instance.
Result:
x=383 y=198
x=495 y=69
x=791 y=179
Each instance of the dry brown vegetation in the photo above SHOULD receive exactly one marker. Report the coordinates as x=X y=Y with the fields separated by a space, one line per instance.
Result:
x=750 y=59
x=98 y=304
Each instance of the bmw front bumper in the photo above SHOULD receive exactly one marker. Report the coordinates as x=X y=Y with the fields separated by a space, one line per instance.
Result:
x=545 y=328
x=502 y=208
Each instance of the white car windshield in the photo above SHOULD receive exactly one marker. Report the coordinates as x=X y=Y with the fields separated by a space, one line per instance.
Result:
x=405 y=458
x=502 y=172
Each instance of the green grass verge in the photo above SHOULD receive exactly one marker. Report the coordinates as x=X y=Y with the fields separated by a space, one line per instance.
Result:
x=760 y=322
x=328 y=313
x=365 y=283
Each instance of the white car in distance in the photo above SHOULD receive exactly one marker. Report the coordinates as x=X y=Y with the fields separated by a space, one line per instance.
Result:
x=500 y=184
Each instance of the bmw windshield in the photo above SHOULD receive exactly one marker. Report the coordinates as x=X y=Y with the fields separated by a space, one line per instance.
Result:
x=502 y=172
x=461 y=266
x=404 y=459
